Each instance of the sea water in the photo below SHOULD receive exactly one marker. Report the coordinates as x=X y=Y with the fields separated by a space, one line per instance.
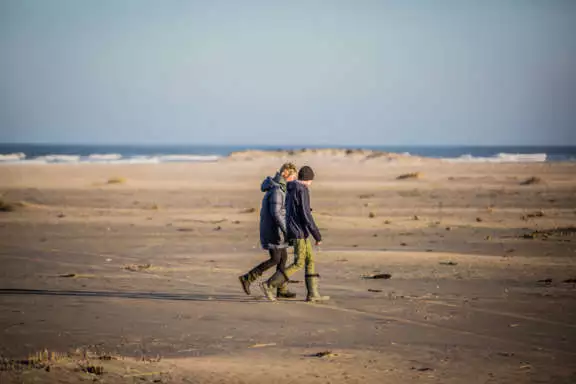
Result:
x=142 y=154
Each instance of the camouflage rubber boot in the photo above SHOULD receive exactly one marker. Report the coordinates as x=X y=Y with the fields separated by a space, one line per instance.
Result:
x=284 y=293
x=268 y=287
x=312 y=288
x=248 y=279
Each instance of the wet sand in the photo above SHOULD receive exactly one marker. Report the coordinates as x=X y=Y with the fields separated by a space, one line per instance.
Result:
x=141 y=273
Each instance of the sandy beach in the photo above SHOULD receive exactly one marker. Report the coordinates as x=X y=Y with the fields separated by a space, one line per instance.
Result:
x=128 y=273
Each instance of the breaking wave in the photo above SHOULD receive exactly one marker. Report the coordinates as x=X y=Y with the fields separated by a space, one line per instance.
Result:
x=501 y=158
x=108 y=158
x=12 y=156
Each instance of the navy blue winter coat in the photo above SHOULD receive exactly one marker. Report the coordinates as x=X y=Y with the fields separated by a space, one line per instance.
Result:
x=273 y=212
x=299 y=221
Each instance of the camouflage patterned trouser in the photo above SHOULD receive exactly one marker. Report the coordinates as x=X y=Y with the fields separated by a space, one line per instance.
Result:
x=303 y=256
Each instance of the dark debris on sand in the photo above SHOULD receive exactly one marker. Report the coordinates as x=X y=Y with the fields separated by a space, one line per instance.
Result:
x=531 y=180
x=423 y=369
x=67 y=275
x=546 y=233
x=378 y=276
x=323 y=354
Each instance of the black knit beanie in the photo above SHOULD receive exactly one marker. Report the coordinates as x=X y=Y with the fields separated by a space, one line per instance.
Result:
x=306 y=173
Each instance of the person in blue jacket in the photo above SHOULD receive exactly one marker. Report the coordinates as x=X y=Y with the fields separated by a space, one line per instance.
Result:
x=273 y=228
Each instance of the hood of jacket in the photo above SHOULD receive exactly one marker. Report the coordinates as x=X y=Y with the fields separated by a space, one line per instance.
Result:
x=273 y=182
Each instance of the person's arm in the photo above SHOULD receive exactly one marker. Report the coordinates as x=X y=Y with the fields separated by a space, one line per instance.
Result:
x=309 y=219
x=276 y=202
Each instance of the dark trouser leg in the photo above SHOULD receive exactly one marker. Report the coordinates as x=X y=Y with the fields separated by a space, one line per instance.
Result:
x=283 y=258
x=277 y=256
x=281 y=277
x=256 y=272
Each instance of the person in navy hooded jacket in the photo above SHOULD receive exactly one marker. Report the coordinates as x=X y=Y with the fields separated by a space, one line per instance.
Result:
x=300 y=225
x=273 y=228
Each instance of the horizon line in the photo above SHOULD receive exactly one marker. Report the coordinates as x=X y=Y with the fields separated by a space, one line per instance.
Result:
x=289 y=146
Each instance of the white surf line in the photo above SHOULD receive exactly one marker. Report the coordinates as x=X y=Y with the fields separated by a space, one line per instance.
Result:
x=435 y=326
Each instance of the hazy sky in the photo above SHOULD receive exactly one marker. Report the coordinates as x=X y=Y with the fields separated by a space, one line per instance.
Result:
x=307 y=72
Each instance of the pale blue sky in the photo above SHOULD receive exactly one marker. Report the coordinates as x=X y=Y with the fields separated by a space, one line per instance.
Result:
x=288 y=72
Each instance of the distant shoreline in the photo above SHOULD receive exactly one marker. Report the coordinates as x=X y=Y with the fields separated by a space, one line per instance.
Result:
x=52 y=153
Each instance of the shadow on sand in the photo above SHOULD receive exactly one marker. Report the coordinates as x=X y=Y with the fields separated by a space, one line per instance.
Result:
x=133 y=295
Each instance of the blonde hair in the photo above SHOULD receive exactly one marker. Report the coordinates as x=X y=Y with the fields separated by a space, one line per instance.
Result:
x=290 y=168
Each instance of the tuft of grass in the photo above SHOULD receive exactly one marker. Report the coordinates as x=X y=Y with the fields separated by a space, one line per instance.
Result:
x=532 y=180
x=93 y=369
x=137 y=267
x=448 y=263
x=9 y=206
x=412 y=175
x=39 y=360
x=532 y=215
x=6 y=206
x=371 y=215
x=116 y=180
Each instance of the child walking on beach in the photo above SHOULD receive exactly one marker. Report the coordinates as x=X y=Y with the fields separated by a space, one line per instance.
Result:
x=300 y=225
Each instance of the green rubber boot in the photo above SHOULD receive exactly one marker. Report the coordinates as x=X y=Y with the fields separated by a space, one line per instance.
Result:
x=283 y=292
x=268 y=287
x=312 y=288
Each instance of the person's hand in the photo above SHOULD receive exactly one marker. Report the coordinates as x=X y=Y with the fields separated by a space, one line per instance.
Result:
x=318 y=243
